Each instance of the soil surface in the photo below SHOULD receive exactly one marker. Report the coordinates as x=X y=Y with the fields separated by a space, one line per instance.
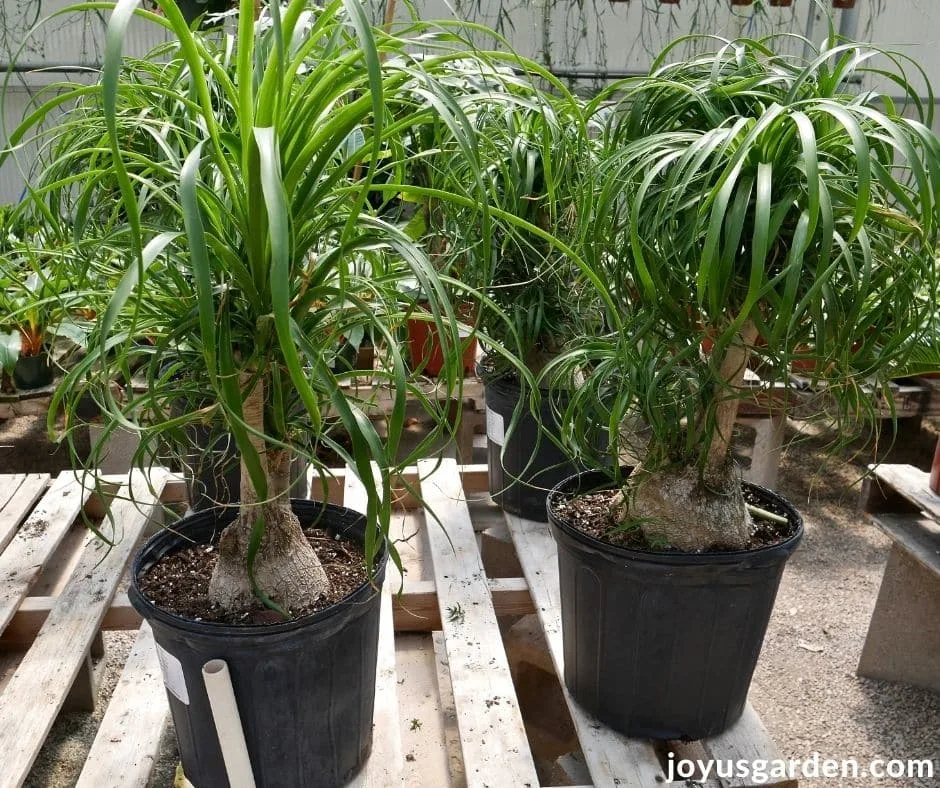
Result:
x=595 y=515
x=179 y=583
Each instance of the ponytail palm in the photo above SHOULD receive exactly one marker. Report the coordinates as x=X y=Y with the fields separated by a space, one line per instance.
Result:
x=535 y=157
x=220 y=188
x=753 y=208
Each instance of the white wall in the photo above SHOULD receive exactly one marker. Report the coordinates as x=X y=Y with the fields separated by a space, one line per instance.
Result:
x=571 y=35
x=42 y=40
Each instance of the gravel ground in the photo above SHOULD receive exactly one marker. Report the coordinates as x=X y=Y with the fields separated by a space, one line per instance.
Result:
x=805 y=688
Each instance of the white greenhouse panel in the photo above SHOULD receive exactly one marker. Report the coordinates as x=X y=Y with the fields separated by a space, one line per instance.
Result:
x=15 y=103
x=574 y=36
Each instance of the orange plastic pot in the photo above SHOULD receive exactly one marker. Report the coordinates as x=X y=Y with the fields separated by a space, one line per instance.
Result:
x=424 y=347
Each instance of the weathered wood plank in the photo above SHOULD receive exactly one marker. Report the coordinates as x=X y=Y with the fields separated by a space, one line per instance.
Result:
x=36 y=540
x=43 y=678
x=492 y=735
x=125 y=747
x=612 y=759
x=903 y=638
x=451 y=727
x=18 y=493
x=912 y=483
x=746 y=740
x=386 y=763
x=918 y=536
x=423 y=729
x=415 y=610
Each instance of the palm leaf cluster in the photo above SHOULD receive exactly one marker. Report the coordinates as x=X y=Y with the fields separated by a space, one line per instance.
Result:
x=751 y=198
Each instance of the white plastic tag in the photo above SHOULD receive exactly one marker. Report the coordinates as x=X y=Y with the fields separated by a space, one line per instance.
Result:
x=495 y=429
x=173 y=676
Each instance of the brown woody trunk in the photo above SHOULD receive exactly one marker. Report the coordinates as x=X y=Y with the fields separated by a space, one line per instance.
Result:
x=694 y=509
x=286 y=568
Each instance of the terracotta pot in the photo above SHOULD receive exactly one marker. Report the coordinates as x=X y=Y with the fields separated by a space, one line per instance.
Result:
x=935 y=470
x=843 y=3
x=424 y=346
x=784 y=3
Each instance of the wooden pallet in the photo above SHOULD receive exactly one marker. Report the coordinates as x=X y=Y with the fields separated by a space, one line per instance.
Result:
x=447 y=711
x=903 y=638
x=50 y=560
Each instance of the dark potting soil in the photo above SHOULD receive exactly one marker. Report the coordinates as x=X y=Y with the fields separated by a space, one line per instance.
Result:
x=179 y=583
x=593 y=515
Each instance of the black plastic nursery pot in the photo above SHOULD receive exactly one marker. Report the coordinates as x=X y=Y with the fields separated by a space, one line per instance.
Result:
x=192 y=9
x=524 y=463
x=663 y=645
x=305 y=688
x=32 y=372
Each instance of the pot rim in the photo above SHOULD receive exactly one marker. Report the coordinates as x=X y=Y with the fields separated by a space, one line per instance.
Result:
x=148 y=609
x=671 y=557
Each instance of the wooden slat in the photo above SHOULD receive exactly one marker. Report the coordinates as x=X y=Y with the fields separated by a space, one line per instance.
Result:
x=386 y=763
x=128 y=739
x=423 y=729
x=451 y=727
x=612 y=759
x=912 y=483
x=38 y=688
x=36 y=541
x=18 y=493
x=415 y=610
x=492 y=735
x=746 y=740
x=918 y=536
x=34 y=610
x=475 y=480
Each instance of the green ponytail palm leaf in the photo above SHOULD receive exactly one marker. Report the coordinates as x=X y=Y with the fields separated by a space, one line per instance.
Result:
x=221 y=193
x=755 y=208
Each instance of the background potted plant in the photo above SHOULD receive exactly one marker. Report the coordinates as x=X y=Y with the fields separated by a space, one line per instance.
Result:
x=242 y=234
x=35 y=297
x=533 y=297
x=756 y=199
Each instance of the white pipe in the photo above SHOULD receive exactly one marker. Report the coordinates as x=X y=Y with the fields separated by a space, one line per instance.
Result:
x=228 y=724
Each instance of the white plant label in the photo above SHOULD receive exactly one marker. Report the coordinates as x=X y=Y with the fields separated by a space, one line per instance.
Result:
x=495 y=429
x=173 y=676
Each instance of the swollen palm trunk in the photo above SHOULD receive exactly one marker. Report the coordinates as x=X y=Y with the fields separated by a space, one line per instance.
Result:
x=304 y=688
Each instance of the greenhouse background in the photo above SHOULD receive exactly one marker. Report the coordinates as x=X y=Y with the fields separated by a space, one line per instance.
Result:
x=587 y=42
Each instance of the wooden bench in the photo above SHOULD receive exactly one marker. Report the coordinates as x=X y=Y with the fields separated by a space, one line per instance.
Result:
x=913 y=400
x=447 y=710
x=903 y=641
